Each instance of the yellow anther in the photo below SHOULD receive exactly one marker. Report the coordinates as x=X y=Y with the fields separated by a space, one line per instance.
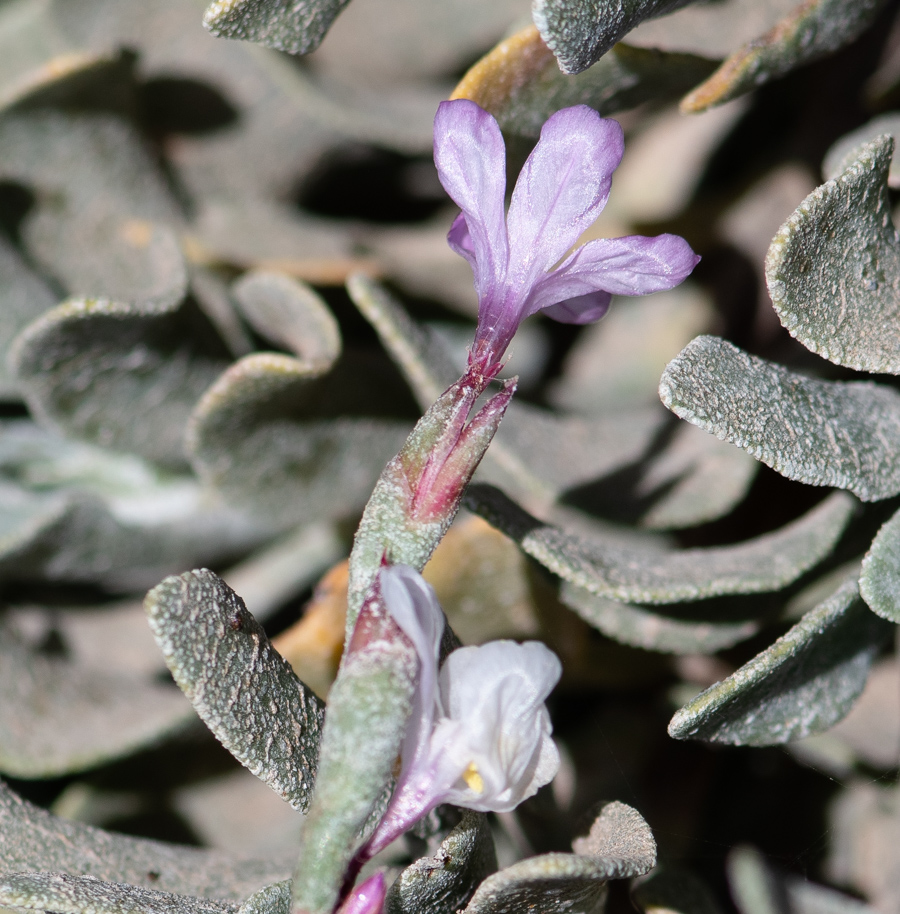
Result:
x=473 y=779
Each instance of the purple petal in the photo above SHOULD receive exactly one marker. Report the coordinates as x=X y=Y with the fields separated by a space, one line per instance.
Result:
x=460 y=240
x=561 y=189
x=583 y=309
x=471 y=161
x=367 y=898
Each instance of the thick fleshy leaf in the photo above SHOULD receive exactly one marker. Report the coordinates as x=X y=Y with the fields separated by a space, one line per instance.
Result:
x=879 y=582
x=297 y=28
x=604 y=566
x=368 y=709
x=805 y=682
x=272 y=899
x=443 y=883
x=685 y=632
x=60 y=892
x=697 y=478
x=58 y=717
x=25 y=298
x=833 y=269
x=520 y=82
x=246 y=693
x=290 y=314
x=266 y=437
x=620 y=846
x=825 y=433
x=580 y=32
x=96 y=188
x=119 y=375
x=847 y=149
x=34 y=840
x=812 y=30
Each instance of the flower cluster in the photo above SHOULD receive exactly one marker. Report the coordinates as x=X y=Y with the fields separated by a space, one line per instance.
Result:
x=520 y=259
x=479 y=734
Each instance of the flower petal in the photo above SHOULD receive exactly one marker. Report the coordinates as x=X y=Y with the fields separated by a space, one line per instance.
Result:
x=561 y=189
x=470 y=156
x=414 y=607
x=583 y=309
x=460 y=240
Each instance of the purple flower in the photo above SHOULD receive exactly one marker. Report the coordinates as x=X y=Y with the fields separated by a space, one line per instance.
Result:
x=479 y=733
x=561 y=190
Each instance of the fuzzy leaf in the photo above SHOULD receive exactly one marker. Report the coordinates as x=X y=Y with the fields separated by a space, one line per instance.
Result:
x=246 y=693
x=65 y=894
x=25 y=297
x=290 y=314
x=120 y=375
x=687 y=632
x=606 y=567
x=879 y=582
x=297 y=28
x=368 y=709
x=833 y=269
x=846 y=151
x=520 y=82
x=803 y=684
x=272 y=899
x=619 y=846
x=580 y=32
x=815 y=28
x=444 y=882
x=58 y=717
x=266 y=437
x=825 y=433
x=31 y=839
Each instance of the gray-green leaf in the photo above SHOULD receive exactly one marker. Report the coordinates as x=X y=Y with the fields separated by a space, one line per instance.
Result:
x=833 y=269
x=580 y=32
x=246 y=693
x=31 y=840
x=444 y=882
x=879 y=582
x=297 y=27
x=620 y=846
x=60 y=892
x=606 y=567
x=685 y=633
x=844 y=434
x=803 y=684
x=815 y=28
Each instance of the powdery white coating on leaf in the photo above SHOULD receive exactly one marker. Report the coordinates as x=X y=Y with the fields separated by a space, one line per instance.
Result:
x=620 y=846
x=802 y=684
x=295 y=26
x=652 y=631
x=32 y=839
x=657 y=575
x=833 y=269
x=444 y=882
x=580 y=32
x=67 y=894
x=246 y=693
x=879 y=582
x=825 y=433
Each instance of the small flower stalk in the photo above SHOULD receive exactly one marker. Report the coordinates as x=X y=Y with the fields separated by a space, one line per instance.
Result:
x=520 y=259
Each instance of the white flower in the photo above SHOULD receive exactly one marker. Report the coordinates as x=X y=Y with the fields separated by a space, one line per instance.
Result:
x=479 y=735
